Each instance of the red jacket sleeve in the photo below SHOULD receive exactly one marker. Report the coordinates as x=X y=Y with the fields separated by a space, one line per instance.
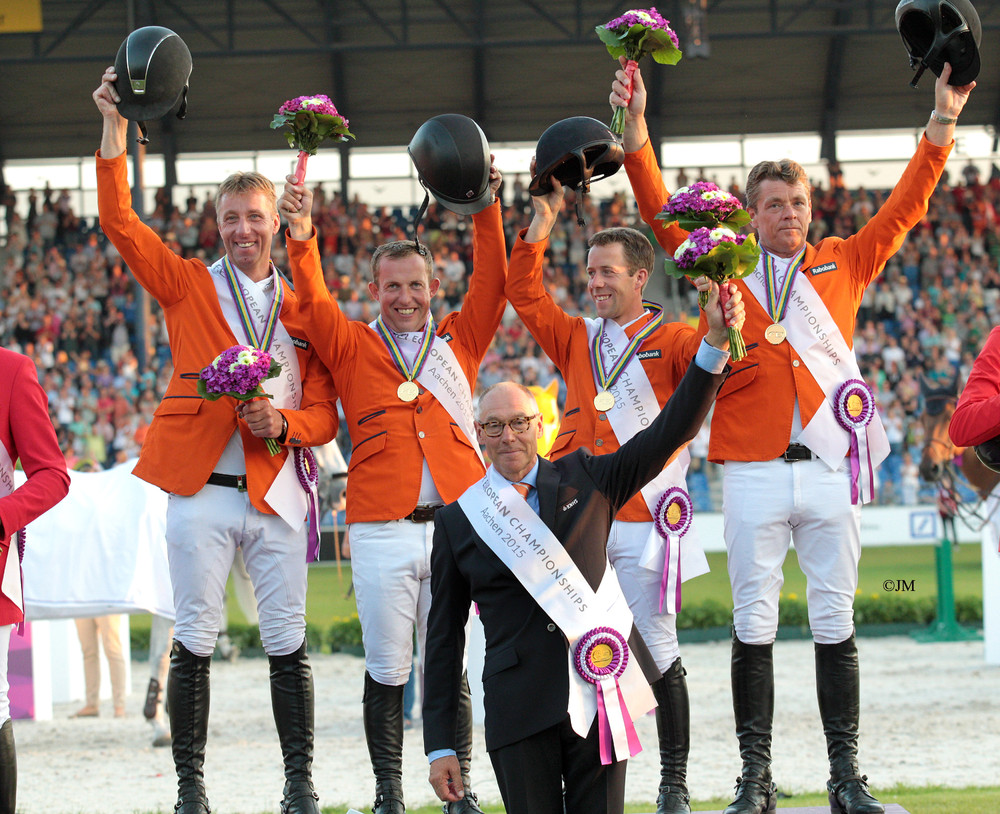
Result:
x=977 y=416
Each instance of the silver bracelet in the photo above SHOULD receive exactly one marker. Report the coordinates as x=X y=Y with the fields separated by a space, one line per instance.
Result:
x=937 y=117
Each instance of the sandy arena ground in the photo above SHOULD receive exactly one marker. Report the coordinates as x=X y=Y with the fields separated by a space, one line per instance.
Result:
x=930 y=715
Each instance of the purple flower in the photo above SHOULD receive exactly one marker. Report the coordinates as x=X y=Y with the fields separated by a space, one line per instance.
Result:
x=701 y=241
x=702 y=196
x=317 y=104
x=237 y=371
x=648 y=18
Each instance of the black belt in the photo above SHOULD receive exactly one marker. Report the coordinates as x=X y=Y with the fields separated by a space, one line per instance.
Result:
x=798 y=452
x=422 y=514
x=233 y=481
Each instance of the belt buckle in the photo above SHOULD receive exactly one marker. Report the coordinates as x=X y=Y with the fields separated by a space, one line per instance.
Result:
x=241 y=483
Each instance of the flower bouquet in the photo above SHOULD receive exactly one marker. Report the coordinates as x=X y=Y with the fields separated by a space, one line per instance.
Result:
x=638 y=33
x=238 y=372
x=311 y=119
x=721 y=255
x=703 y=204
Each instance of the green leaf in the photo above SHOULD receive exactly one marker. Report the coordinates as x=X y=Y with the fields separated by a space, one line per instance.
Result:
x=737 y=220
x=671 y=269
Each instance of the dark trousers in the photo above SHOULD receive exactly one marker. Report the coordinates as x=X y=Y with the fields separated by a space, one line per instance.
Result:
x=532 y=772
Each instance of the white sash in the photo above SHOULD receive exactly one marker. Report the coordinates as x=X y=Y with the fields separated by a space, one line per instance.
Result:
x=517 y=535
x=443 y=377
x=285 y=494
x=814 y=335
x=10 y=583
x=635 y=408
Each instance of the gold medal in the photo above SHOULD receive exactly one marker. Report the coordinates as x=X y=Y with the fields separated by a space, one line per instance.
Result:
x=407 y=391
x=604 y=401
x=775 y=334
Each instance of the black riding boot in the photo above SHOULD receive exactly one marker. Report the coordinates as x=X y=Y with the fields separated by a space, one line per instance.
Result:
x=753 y=706
x=463 y=745
x=8 y=769
x=383 y=714
x=673 y=725
x=188 y=700
x=292 y=701
x=838 y=690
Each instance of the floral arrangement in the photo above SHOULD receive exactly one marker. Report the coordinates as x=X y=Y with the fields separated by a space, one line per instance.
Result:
x=703 y=204
x=638 y=33
x=722 y=255
x=238 y=372
x=311 y=120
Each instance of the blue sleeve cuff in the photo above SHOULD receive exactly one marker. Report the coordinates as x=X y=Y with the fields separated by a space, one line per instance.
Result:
x=440 y=753
x=711 y=359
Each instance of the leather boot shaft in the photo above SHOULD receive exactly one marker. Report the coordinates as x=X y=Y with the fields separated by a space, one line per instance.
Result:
x=673 y=728
x=8 y=768
x=838 y=690
x=382 y=706
x=293 y=705
x=188 y=702
x=752 y=673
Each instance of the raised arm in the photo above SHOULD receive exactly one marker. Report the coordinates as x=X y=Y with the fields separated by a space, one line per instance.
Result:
x=977 y=416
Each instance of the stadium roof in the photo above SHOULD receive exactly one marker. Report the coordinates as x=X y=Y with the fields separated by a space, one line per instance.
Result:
x=516 y=66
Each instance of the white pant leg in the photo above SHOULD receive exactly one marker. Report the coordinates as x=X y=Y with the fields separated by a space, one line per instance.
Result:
x=641 y=587
x=202 y=534
x=4 y=685
x=756 y=506
x=275 y=556
x=391 y=565
x=243 y=588
x=161 y=635
x=826 y=530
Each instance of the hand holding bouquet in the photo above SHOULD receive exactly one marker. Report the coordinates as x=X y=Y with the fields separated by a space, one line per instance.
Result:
x=312 y=120
x=238 y=372
x=638 y=33
x=721 y=255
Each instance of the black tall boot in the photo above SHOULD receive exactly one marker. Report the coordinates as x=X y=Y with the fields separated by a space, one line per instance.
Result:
x=673 y=725
x=292 y=701
x=8 y=769
x=753 y=706
x=469 y=804
x=838 y=689
x=383 y=715
x=188 y=700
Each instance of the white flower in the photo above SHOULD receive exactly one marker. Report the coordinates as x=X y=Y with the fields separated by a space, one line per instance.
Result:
x=720 y=233
x=687 y=244
x=682 y=191
x=642 y=15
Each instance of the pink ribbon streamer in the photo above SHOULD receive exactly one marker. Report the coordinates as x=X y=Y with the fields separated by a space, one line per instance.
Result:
x=308 y=474
x=605 y=741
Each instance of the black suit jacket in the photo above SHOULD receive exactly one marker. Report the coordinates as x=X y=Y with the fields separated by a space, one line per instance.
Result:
x=525 y=676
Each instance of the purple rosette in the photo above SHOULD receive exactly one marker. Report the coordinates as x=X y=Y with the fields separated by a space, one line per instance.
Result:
x=672 y=519
x=854 y=407
x=601 y=653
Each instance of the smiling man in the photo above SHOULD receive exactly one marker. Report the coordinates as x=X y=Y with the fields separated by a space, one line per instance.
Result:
x=406 y=385
x=528 y=544
x=639 y=360
x=226 y=489
x=784 y=425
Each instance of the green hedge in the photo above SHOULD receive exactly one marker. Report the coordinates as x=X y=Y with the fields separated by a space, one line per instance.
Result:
x=344 y=634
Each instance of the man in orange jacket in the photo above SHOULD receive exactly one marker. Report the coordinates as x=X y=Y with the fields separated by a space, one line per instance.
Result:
x=226 y=489
x=406 y=385
x=798 y=432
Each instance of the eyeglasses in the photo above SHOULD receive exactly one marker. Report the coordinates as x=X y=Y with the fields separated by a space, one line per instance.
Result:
x=494 y=429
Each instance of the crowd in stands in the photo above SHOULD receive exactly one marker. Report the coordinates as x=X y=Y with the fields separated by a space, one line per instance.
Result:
x=68 y=302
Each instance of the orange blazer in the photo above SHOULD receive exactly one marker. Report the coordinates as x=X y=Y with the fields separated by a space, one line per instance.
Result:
x=665 y=355
x=188 y=433
x=754 y=410
x=391 y=437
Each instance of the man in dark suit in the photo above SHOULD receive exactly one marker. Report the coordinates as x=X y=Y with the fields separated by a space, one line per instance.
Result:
x=533 y=729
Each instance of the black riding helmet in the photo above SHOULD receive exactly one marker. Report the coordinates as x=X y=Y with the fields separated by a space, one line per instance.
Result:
x=153 y=66
x=988 y=453
x=576 y=151
x=939 y=31
x=452 y=158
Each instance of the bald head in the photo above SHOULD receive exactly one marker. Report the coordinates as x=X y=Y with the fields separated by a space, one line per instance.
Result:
x=512 y=453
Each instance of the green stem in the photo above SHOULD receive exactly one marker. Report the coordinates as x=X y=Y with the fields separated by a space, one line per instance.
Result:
x=618 y=121
x=737 y=347
x=272 y=446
